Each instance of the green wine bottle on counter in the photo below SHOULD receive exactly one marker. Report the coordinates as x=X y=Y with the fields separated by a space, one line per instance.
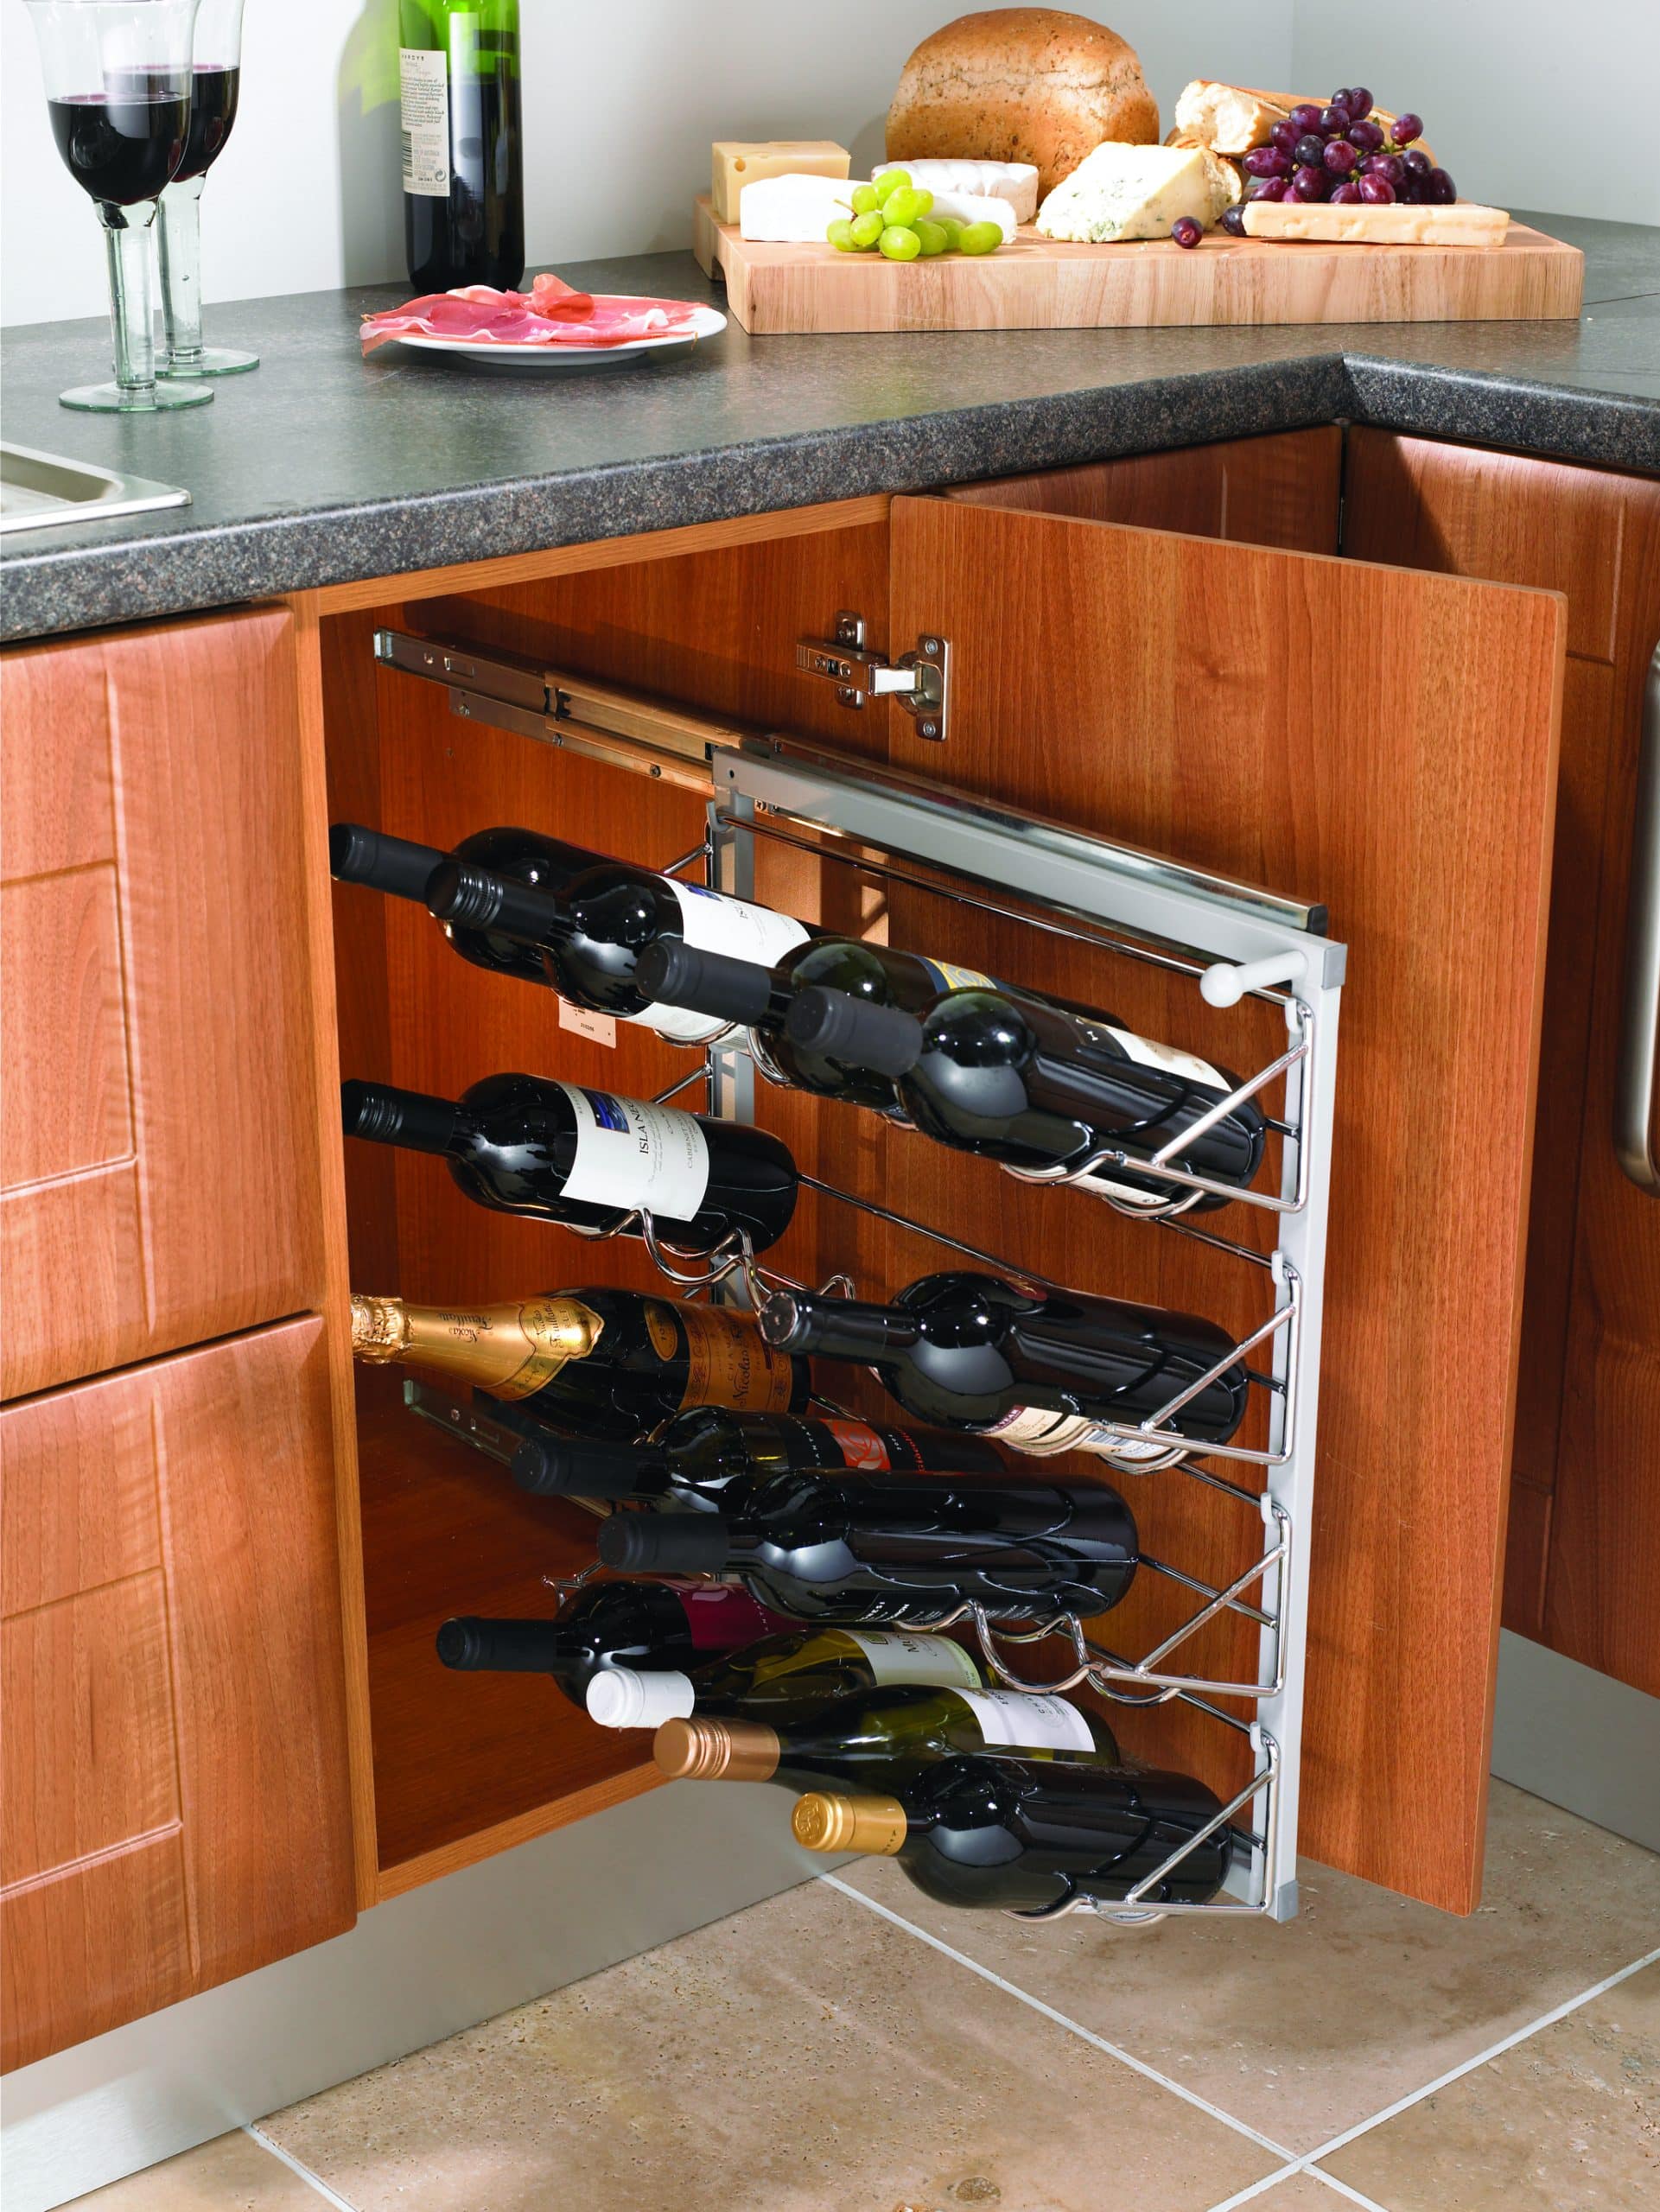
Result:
x=462 y=142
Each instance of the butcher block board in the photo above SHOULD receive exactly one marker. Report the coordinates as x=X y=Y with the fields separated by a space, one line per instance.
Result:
x=1037 y=283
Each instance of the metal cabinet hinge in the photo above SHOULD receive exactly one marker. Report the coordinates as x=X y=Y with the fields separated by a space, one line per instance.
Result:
x=917 y=681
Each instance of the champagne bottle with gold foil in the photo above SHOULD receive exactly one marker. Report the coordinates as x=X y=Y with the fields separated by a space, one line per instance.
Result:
x=597 y=1362
x=877 y=1737
x=1016 y=1834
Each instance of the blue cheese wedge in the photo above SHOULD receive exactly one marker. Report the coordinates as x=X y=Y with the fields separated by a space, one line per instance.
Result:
x=1131 y=192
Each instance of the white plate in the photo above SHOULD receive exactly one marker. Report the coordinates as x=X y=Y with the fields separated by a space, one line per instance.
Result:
x=566 y=360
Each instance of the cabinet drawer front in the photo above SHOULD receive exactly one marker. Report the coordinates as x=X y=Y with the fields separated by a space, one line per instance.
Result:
x=160 y=1182
x=174 y=1756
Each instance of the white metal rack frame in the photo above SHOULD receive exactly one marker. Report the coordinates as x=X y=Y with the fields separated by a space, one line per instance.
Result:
x=1233 y=941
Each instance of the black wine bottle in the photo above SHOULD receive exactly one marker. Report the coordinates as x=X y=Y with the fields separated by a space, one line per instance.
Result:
x=462 y=143
x=847 y=1547
x=969 y=1351
x=404 y=869
x=588 y=1159
x=709 y=1454
x=592 y=933
x=599 y=1361
x=1019 y=1081
x=876 y=1737
x=1020 y=1834
x=628 y=1624
x=791 y=1674
x=713 y=983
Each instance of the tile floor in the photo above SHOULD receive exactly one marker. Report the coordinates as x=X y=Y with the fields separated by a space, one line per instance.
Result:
x=850 y=2048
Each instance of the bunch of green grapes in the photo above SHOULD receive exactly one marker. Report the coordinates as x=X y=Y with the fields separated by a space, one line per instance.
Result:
x=896 y=218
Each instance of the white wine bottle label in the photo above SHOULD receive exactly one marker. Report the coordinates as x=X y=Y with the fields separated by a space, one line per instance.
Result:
x=423 y=114
x=1038 y=1430
x=898 y=1658
x=1188 y=1065
x=711 y=922
x=949 y=977
x=632 y=1154
x=1122 y=1447
x=1016 y=1718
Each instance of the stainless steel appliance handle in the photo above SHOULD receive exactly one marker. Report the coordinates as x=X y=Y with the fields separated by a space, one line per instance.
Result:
x=1640 y=1034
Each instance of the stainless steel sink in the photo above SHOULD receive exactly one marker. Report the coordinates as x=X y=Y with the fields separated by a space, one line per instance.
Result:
x=37 y=489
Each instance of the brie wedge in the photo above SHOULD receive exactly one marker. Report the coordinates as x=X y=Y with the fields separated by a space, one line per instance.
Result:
x=792 y=210
x=1015 y=181
x=1132 y=191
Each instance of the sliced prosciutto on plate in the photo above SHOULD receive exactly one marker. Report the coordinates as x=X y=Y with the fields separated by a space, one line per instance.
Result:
x=550 y=314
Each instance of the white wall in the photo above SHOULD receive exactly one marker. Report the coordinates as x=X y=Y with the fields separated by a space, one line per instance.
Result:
x=1526 y=102
x=621 y=100
x=622 y=97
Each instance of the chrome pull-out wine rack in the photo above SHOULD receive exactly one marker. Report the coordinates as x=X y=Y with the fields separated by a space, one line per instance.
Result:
x=1234 y=942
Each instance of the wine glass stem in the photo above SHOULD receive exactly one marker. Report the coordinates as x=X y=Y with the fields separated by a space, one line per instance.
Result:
x=126 y=235
x=180 y=257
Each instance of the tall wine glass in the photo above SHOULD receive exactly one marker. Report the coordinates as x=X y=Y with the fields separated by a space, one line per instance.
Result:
x=118 y=90
x=215 y=79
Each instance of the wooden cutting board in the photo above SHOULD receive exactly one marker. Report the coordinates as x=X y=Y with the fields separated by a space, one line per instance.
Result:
x=1036 y=283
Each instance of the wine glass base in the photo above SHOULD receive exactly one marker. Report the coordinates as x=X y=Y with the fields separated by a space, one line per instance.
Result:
x=212 y=361
x=121 y=399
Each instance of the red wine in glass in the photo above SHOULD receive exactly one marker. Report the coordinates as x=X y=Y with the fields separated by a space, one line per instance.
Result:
x=213 y=111
x=121 y=145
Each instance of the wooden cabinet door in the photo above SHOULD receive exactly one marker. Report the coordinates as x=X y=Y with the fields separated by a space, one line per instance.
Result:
x=173 y=1755
x=160 y=1182
x=1386 y=742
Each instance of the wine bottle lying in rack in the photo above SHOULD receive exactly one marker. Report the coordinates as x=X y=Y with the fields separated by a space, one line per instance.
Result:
x=591 y=932
x=404 y=869
x=789 y=1675
x=844 y=1548
x=730 y=989
x=1032 y=1369
x=875 y=1741
x=626 y=1624
x=588 y=1159
x=1023 y=1834
x=598 y=1362
x=1015 y=1080
x=708 y=1454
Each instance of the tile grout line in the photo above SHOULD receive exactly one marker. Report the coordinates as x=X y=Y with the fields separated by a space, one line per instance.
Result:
x=329 y=2196
x=1482 y=2058
x=1343 y=2188
x=1087 y=2035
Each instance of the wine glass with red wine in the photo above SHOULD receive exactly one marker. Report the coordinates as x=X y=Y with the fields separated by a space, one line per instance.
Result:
x=215 y=81
x=118 y=91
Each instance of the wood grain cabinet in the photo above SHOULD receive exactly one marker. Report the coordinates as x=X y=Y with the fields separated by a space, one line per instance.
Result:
x=172 y=1684
x=159 y=1180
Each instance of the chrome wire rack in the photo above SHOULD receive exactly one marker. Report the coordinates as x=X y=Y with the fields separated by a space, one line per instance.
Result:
x=1234 y=942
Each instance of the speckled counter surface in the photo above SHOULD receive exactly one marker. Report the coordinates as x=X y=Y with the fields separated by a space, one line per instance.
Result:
x=324 y=469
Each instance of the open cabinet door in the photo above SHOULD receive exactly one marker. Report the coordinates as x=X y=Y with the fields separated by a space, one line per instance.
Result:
x=1385 y=742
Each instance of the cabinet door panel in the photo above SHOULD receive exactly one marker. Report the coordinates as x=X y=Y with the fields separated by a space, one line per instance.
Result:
x=1188 y=687
x=160 y=1183
x=177 y=1802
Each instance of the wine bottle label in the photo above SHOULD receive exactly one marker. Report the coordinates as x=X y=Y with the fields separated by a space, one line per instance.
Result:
x=1122 y=1447
x=861 y=1445
x=632 y=1154
x=720 y=1618
x=727 y=1362
x=1039 y=1431
x=952 y=978
x=897 y=1658
x=1148 y=1054
x=711 y=922
x=1017 y=1718
x=423 y=114
x=510 y=1349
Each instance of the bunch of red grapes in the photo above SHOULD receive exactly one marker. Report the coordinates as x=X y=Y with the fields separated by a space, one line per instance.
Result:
x=1342 y=154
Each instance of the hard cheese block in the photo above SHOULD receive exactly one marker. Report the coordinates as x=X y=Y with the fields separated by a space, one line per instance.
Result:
x=1015 y=181
x=1132 y=191
x=738 y=162
x=1465 y=223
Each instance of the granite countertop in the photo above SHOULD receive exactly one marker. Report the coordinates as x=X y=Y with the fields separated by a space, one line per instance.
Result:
x=322 y=467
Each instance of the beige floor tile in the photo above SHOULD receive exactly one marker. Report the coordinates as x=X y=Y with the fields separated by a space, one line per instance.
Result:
x=230 y=2174
x=1302 y=2193
x=805 y=2056
x=1567 y=2122
x=1303 y=2030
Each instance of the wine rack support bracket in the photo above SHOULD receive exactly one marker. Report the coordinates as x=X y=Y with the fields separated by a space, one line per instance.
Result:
x=1235 y=942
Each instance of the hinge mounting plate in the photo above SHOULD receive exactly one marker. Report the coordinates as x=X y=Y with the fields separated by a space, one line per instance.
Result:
x=917 y=681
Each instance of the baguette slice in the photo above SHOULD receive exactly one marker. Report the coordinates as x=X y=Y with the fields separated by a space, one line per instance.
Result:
x=1286 y=101
x=1465 y=223
x=1227 y=176
x=1225 y=118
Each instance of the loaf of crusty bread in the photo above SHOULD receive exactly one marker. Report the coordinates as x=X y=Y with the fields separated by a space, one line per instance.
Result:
x=1225 y=117
x=1020 y=85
